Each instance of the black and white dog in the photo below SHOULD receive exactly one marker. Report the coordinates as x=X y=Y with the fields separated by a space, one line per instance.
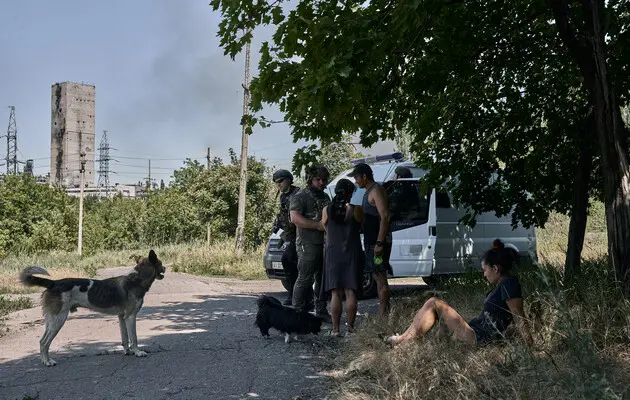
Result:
x=272 y=314
x=122 y=296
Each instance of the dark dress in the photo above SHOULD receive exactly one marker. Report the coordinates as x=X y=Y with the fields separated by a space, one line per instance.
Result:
x=343 y=255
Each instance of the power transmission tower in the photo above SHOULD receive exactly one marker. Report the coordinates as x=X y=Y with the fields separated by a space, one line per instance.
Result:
x=242 y=190
x=103 y=164
x=11 y=159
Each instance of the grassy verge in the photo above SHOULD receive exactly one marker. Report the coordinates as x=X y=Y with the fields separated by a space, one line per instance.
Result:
x=581 y=335
x=8 y=305
x=581 y=332
x=219 y=259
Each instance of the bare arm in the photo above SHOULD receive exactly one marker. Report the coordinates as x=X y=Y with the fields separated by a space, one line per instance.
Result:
x=358 y=213
x=380 y=201
x=324 y=218
x=298 y=220
x=516 y=308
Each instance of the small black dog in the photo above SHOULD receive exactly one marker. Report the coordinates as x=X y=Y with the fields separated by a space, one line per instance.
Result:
x=272 y=314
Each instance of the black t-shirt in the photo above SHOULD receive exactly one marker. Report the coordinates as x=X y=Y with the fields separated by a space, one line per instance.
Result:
x=495 y=308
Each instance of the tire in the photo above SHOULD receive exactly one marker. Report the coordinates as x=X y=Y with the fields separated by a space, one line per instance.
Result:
x=285 y=284
x=434 y=281
x=368 y=287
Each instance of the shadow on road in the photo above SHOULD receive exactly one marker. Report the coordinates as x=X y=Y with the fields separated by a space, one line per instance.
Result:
x=206 y=347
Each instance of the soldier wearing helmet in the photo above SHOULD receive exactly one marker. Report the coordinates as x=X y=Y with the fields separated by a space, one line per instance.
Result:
x=306 y=210
x=284 y=182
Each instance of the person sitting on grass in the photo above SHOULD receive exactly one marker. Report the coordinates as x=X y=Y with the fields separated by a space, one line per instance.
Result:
x=502 y=306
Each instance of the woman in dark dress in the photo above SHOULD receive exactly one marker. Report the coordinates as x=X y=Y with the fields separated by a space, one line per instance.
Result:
x=343 y=255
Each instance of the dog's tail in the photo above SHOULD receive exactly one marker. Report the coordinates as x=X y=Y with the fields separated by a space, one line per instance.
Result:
x=27 y=278
x=269 y=301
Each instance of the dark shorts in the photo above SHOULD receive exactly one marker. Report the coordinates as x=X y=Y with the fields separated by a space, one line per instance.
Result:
x=370 y=266
x=484 y=332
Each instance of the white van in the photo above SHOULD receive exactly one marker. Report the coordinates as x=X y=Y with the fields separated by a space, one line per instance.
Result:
x=428 y=240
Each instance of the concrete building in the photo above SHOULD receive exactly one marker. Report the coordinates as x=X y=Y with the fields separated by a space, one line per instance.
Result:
x=72 y=132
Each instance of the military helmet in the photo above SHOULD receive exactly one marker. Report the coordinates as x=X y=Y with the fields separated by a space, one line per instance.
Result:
x=317 y=171
x=282 y=174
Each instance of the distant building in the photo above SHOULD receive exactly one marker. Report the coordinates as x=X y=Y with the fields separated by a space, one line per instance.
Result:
x=72 y=132
x=126 y=191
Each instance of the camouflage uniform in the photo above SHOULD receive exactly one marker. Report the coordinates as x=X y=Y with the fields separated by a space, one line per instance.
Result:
x=310 y=248
x=289 y=257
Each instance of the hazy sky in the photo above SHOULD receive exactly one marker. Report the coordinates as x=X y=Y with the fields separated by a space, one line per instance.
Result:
x=164 y=89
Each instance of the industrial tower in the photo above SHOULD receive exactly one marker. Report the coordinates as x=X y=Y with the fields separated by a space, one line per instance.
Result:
x=103 y=165
x=72 y=133
x=11 y=160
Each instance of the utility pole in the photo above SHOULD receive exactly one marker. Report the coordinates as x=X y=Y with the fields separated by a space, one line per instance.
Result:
x=242 y=190
x=149 y=179
x=82 y=171
x=208 y=226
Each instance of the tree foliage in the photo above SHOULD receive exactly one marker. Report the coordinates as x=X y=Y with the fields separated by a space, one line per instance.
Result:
x=488 y=91
x=336 y=156
x=35 y=217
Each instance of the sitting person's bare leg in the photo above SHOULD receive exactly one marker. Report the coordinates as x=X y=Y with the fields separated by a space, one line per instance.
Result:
x=427 y=317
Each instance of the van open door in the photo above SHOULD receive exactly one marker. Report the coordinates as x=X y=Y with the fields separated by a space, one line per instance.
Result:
x=413 y=227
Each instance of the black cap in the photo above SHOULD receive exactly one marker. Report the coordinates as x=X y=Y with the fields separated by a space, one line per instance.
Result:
x=361 y=169
x=282 y=174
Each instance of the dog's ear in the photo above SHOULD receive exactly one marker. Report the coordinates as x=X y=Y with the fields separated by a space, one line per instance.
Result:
x=153 y=257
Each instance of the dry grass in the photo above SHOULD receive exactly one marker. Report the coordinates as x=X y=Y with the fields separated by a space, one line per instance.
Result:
x=581 y=334
x=580 y=351
x=8 y=305
x=218 y=259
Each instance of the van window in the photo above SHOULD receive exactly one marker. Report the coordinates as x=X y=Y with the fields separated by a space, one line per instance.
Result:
x=442 y=199
x=407 y=202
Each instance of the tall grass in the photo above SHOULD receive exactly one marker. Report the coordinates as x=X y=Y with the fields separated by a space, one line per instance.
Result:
x=581 y=332
x=197 y=258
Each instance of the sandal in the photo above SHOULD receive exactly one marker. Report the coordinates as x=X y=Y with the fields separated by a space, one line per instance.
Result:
x=333 y=334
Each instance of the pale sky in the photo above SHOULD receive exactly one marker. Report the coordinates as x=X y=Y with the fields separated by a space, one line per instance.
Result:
x=164 y=89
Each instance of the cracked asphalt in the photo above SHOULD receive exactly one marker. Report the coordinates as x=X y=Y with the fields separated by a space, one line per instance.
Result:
x=201 y=341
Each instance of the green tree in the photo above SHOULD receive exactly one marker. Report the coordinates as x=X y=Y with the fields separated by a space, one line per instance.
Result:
x=497 y=103
x=35 y=217
x=336 y=156
x=215 y=192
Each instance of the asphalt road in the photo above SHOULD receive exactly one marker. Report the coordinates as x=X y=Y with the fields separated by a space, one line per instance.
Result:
x=201 y=341
x=202 y=344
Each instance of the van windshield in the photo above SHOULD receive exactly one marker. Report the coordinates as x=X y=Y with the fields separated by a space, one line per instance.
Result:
x=408 y=203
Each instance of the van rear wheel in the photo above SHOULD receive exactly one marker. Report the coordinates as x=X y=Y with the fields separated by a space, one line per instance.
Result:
x=433 y=281
x=368 y=286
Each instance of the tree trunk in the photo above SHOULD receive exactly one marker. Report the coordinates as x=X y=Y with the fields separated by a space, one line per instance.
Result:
x=579 y=208
x=589 y=51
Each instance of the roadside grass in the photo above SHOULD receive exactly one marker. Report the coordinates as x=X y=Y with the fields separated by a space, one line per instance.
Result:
x=9 y=304
x=220 y=259
x=581 y=332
